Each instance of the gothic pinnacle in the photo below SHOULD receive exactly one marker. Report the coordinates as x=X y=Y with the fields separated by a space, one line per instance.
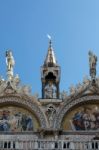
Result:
x=50 y=58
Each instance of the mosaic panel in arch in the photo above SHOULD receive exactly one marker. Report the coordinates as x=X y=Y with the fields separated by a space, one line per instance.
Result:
x=17 y=119
x=85 y=117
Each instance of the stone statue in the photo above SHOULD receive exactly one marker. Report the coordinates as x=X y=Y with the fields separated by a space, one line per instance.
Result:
x=92 y=60
x=92 y=63
x=9 y=60
x=51 y=111
x=50 y=91
x=10 y=64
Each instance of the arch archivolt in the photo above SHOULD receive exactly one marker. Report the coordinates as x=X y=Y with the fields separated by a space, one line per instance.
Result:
x=26 y=103
x=66 y=107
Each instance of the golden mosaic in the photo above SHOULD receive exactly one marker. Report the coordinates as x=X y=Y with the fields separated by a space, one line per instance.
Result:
x=17 y=119
x=85 y=117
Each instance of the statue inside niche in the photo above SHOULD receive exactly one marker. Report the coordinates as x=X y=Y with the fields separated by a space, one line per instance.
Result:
x=51 y=111
x=10 y=60
x=50 y=90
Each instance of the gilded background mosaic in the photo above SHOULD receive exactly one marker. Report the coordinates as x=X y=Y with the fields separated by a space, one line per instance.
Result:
x=85 y=117
x=17 y=119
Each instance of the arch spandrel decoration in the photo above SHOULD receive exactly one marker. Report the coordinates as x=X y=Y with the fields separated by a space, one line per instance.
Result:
x=88 y=106
x=18 y=114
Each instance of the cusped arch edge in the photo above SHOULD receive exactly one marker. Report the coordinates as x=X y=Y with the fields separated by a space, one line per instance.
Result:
x=27 y=103
x=66 y=107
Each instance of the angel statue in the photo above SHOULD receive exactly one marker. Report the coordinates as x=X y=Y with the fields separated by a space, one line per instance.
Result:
x=10 y=63
x=92 y=63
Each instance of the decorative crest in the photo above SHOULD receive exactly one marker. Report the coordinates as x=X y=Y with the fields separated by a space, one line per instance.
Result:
x=10 y=64
x=92 y=65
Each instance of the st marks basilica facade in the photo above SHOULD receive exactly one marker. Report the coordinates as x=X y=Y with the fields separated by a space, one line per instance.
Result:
x=58 y=120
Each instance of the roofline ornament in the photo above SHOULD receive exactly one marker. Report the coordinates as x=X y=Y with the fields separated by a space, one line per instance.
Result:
x=50 y=59
x=10 y=62
x=92 y=64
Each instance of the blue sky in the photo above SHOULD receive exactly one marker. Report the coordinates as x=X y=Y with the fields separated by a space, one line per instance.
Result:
x=73 y=25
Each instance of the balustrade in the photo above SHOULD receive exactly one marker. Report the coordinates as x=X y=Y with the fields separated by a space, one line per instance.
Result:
x=48 y=145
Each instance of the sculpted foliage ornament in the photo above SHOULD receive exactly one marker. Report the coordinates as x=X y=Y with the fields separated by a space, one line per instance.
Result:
x=64 y=95
x=97 y=81
x=72 y=90
x=79 y=87
x=13 y=86
x=85 y=81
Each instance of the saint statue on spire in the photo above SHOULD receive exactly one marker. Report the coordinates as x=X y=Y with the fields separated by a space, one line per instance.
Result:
x=92 y=64
x=10 y=63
